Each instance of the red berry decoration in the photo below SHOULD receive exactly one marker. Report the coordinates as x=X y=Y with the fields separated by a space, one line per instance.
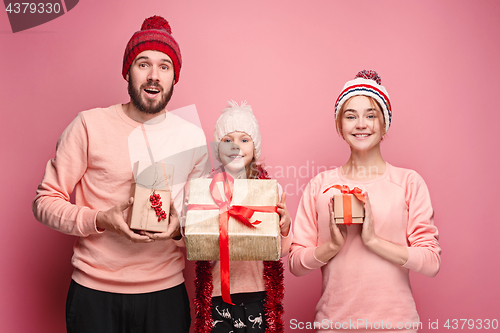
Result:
x=156 y=204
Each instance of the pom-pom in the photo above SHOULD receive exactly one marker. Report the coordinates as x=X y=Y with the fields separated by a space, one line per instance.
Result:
x=233 y=106
x=369 y=75
x=156 y=22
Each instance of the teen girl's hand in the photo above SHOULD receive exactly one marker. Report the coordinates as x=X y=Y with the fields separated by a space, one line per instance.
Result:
x=394 y=253
x=326 y=251
x=368 y=233
x=285 y=220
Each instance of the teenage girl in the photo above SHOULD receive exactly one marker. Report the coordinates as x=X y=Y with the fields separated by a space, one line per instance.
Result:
x=365 y=268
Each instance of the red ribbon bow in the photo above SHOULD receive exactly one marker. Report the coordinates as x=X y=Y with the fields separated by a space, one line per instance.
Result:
x=346 y=200
x=240 y=213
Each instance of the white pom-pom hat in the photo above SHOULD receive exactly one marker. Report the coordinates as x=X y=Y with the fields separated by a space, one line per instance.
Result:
x=237 y=118
x=367 y=83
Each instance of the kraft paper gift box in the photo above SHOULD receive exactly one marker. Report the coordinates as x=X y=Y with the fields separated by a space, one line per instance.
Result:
x=201 y=232
x=150 y=179
x=357 y=208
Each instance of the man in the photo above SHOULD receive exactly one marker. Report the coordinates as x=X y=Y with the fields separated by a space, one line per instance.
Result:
x=124 y=281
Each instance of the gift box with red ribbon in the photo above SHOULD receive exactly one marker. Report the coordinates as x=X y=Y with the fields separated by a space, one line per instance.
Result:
x=356 y=208
x=240 y=212
x=232 y=219
x=348 y=206
x=151 y=207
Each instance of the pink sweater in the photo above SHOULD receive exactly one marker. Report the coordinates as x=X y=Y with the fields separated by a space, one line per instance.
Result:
x=360 y=289
x=94 y=157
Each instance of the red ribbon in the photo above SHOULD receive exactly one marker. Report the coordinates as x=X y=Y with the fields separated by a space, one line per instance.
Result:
x=240 y=213
x=346 y=200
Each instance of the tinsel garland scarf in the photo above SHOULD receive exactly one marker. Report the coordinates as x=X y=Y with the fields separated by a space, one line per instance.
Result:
x=273 y=303
x=203 y=297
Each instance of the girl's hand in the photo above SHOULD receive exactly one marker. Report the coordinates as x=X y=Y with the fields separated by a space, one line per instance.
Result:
x=326 y=251
x=368 y=233
x=337 y=232
x=396 y=254
x=285 y=220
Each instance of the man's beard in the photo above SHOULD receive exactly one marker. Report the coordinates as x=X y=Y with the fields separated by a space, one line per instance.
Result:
x=149 y=106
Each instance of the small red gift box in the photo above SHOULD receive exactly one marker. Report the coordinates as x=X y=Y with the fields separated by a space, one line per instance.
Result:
x=357 y=209
x=348 y=207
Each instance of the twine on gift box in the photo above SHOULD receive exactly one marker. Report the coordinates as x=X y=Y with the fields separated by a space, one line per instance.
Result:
x=155 y=183
x=150 y=151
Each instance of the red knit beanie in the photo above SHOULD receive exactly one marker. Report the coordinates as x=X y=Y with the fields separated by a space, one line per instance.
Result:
x=156 y=35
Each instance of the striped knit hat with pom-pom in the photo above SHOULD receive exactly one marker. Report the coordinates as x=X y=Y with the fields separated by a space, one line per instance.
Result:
x=155 y=35
x=367 y=83
x=238 y=118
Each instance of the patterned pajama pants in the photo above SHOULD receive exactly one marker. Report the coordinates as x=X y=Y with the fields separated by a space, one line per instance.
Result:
x=246 y=316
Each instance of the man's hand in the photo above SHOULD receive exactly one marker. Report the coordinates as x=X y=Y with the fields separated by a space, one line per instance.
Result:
x=112 y=220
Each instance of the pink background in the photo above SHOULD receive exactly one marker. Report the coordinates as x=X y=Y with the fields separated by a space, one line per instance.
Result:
x=289 y=59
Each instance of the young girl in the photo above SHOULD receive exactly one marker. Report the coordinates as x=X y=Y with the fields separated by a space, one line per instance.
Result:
x=365 y=268
x=256 y=286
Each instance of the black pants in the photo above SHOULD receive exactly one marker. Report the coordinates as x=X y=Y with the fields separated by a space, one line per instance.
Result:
x=245 y=316
x=93 y=311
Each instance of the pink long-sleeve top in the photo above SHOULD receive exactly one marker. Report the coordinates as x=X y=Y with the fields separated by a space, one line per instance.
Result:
x=358 y=285
x=95 y=157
